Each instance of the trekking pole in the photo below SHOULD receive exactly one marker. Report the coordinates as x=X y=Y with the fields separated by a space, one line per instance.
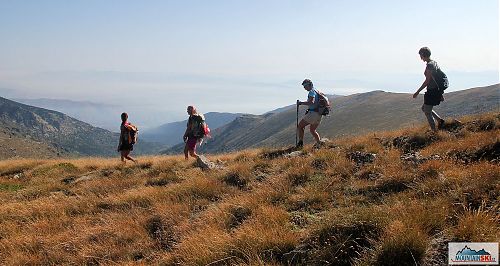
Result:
x=297 y=124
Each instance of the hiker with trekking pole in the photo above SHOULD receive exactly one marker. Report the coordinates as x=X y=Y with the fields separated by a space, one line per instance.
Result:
x=318 y=106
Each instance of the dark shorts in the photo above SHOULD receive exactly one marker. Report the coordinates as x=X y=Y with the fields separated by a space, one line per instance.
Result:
x=433 y=96
x=191 y=143
x=126 y=147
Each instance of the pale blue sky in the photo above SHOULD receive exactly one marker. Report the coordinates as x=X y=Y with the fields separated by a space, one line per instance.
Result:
x=238 y=56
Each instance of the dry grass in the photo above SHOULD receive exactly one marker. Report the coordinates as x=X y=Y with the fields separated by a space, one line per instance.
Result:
x=478 y=225
x=320 y=208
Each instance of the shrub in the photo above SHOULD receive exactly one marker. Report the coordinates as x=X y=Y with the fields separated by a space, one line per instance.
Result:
x=236 y=179
x=11 y=187
x=339 y=239
x=161 y=232
x=401 y=245
x=163 y=181
x=478 y=225
x=238 y=214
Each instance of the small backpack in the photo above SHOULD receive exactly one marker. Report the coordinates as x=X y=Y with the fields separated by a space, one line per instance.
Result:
x=323 y=106
x=440 y=78
x=133 y=133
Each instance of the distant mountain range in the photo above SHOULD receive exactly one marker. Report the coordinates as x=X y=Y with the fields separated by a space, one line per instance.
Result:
x=29 y=131
x=100 y=115
x=171 y=133
x=351 y=115
x=281 y=109
x=104 y=115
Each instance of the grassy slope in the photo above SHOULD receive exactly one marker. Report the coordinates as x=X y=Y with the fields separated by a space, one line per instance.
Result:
x=56 y=130
x=375 y=111
x=13 y=145
x=355 y=114
x=318 y=209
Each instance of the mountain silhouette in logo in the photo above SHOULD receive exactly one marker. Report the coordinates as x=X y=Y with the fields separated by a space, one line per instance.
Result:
x=467 y=251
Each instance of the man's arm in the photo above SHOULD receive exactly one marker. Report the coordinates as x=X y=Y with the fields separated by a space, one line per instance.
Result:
x=310 y=101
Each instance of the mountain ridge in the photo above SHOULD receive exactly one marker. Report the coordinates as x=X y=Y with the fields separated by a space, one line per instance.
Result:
x=64 y=134
x=171 y=133
x=354 y=114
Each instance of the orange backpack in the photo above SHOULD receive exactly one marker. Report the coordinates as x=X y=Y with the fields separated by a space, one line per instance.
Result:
x=133 y=133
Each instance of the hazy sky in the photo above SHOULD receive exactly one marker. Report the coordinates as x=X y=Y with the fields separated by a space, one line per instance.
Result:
x=238 y=56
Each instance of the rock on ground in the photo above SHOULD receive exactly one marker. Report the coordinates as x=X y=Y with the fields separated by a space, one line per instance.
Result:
x=205 y=164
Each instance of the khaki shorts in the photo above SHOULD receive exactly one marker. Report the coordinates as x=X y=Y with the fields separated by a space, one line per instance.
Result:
x=313 y=118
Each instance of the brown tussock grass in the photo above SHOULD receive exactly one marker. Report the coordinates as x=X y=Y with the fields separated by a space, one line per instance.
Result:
x=478 y=225
x=316 y=208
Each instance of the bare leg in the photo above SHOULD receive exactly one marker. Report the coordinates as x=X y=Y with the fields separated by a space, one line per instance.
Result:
x=131 y=159
x=125 y=154
x=427 y=109
x=193 y=153
x=186 y=149
x=438 y=119
x=315 y=134
x=300 y=129
x=436 y=116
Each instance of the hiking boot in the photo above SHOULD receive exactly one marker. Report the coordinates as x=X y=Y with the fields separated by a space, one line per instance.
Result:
x=319 y=144
x=441 y=124
x=300 y=144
